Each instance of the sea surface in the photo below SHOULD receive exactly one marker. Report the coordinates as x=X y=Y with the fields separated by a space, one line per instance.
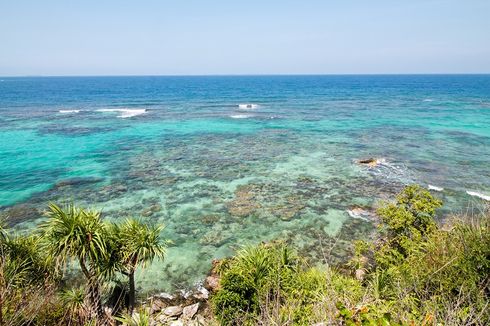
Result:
x=228 y=161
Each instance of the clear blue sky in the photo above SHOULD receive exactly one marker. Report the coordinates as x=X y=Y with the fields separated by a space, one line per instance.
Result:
x=118 y=37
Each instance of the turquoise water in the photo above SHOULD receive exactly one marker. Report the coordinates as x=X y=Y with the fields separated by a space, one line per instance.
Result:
x=226 y=161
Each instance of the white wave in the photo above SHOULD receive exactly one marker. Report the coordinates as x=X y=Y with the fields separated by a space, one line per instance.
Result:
x=428 y=100
x=435 y=188
x=477 y=194
x=240 y=116
x=125 y=113
x=248 y=106
x=381 y=167
x=69 y=111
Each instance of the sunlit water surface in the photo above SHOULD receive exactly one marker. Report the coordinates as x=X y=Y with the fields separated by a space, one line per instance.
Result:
x=228 y=161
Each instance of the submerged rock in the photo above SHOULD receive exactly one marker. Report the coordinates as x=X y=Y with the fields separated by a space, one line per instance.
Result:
x=151 y=210
x=245 y=202
x=362 y=213
x=20 y=213
x=78 y=181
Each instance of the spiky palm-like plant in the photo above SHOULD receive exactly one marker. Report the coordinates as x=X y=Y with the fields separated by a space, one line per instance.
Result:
x=138 y=244
x=75 y=306
x=74 y=233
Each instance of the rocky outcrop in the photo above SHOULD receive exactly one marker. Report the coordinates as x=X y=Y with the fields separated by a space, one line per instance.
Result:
x=180 y=308
x=371 y=162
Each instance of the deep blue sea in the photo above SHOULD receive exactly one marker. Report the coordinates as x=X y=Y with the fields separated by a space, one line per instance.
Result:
x=228 y=161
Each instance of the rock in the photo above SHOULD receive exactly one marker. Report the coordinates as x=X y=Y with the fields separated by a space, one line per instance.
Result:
x=177 y=322
x=151 y=210
x=371 y=162
x=157 y=306
x=173 y=311
x=165 y=296
x=361 y=213
x=360 y=273
x=211 y=283
x=189 y=311
x=200 y=320
x=202 y=294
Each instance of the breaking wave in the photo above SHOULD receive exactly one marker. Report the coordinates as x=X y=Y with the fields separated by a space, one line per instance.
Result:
x=125 y=113
x=479 y=195
x=241 y=116
x=435 y=188
x=68 y=111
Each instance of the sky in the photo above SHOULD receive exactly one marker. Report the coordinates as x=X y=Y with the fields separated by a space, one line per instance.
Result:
x=223 y=37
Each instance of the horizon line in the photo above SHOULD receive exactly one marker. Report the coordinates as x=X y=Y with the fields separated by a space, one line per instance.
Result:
x=250 y=75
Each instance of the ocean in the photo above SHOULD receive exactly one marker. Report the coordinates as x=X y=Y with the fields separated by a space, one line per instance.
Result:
x=227 y=161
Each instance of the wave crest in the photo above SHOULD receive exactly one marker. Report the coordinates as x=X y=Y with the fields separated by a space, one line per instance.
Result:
x=241 y=116
x=68 y=111
x=479 y=195
x=125 y=113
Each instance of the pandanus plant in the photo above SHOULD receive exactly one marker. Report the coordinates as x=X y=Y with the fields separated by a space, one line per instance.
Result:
x=137 y=244
x=75 y=234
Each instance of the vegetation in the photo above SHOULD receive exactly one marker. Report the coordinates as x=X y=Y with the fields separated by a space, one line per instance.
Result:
x=416 y=272
x=33 y=268
x=135 y=244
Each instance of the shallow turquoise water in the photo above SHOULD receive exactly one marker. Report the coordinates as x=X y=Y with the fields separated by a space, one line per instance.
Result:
x=183 y=151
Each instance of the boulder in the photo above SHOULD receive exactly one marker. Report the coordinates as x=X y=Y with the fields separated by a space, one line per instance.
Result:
x=211 y=283
x=157 y=305
x=173 y=311
x=189 y=311
x=201 y=294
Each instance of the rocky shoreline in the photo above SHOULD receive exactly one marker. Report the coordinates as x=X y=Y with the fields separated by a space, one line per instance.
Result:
x=184 y=307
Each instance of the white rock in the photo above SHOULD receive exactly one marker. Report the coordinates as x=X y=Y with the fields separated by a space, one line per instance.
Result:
x=173 y=311
x=190 y=311
x=165 y=295
x=177 y=322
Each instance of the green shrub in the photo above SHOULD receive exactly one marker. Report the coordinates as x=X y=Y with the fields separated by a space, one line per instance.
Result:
x=406 y=222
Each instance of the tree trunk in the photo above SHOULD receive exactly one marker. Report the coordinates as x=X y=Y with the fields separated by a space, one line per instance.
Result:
x=132 y=293
x=1 y=307
x=93 y=293
x=96 y=300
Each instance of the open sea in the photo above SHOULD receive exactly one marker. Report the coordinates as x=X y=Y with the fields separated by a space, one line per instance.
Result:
x=229 y=161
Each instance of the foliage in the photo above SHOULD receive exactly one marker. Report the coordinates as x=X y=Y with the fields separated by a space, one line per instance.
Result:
x=417 y=273
x=406 y=221
x=134 y=244
x=141 y=318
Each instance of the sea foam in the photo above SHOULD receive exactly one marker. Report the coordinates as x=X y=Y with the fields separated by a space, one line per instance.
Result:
x=125 y=113
x=477 y=194
x=69 y=111
x=435 y=188
x=241 y=116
